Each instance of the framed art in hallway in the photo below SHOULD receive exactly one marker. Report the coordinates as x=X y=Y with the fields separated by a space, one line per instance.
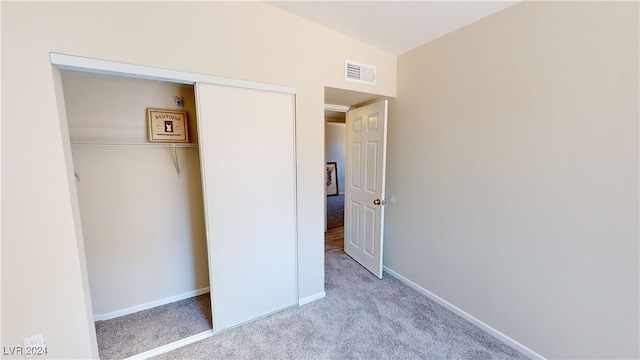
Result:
x=332 y=178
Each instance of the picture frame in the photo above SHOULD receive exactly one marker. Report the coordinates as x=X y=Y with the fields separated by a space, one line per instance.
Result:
x=331 y=175
x=167 y=126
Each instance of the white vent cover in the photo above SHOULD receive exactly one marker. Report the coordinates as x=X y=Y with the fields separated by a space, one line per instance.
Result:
x=361 y=73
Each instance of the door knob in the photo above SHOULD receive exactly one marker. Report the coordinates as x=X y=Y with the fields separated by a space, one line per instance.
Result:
x=379 y=202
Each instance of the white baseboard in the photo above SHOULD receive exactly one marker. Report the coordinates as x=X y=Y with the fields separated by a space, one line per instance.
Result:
x=493 y=332
x=149 y=305
x=172 y=346
x=311 y=298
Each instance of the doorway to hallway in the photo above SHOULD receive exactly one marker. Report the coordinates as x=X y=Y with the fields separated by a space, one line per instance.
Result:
x=337 y=103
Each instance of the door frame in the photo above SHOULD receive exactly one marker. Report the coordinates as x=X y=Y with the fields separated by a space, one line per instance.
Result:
x=361 y=99
x=78 y=63
x=97 y=66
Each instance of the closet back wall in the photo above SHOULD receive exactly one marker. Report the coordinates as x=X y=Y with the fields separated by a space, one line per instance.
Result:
x=143 y=223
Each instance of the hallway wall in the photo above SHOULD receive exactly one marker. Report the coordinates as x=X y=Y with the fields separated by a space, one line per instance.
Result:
x=335 y=142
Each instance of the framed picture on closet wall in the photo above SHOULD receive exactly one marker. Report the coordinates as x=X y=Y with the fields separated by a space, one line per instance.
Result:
x=167 y=126
x=332 y=179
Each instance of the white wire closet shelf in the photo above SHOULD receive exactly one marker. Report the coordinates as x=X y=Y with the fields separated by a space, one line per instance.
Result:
x=132 y=144
x=175 y=146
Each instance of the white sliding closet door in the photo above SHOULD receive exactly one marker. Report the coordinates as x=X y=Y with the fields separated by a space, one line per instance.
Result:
x=247 y=151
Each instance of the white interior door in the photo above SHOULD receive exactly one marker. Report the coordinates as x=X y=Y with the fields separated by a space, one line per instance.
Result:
x=364 y=182
x=247 y=153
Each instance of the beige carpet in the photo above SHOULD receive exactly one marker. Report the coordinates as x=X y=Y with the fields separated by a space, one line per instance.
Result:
x=145 y=330
x=362 y=317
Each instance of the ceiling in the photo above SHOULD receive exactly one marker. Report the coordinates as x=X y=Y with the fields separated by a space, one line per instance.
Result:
x=393 y=26
x=346 y=98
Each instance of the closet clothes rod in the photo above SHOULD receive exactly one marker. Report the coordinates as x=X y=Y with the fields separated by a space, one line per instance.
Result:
x=156 y=145
x=123 y=144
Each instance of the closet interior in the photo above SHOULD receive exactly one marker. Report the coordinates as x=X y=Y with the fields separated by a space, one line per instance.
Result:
x=141 y=206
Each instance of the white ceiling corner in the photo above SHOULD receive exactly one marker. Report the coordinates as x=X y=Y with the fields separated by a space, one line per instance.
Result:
x=393 y=26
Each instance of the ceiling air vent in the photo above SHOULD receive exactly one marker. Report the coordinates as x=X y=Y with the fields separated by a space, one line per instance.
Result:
x=356 y=72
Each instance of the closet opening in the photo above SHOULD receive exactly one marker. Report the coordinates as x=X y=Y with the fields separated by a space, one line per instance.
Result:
x=142 y=212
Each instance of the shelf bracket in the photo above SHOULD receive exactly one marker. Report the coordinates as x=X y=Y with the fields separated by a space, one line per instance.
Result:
x=175 y=155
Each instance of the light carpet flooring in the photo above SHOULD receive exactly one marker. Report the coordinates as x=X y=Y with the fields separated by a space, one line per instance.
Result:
x=145 y=330
x=361 y=317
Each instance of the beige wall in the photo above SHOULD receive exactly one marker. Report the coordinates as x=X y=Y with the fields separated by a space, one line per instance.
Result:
x=43 y=284
x=143 y=223
x=513 y=155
